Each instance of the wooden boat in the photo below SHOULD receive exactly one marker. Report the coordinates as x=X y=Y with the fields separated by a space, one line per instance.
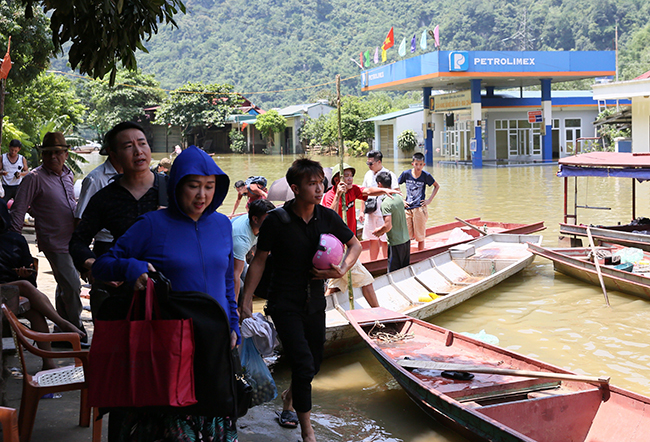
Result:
x=625 y=235
x=454 y=276
x=510 y=397
x=574 y=262
x=437 y=240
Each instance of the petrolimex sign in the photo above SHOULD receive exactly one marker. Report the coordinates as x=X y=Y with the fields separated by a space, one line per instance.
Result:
x=461 y=61
x=458 y=61
x=504 y=61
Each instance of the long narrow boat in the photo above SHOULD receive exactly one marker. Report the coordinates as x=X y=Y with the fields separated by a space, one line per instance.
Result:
x=438 y=240
x=453 y=276
x=510 y=397
x=574 y=262
x=625 y=235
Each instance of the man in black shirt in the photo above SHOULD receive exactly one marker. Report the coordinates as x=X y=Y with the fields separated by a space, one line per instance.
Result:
x=117 y=206
x=296 y=291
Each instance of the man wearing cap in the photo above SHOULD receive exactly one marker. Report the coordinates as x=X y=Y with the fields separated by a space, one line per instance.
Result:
x=13 y=168
x=48 y=192
x=97 y=179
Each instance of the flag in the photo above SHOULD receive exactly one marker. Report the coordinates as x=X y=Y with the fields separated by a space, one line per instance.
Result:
x=383 y=55
x=423 y=40
x=402 y=48
x=6 y=62
x=361 y=59
x=389 y=41
x=413 y=44
x=367 y=57
x=436 y=36
x=243 y=126
x=376 y=55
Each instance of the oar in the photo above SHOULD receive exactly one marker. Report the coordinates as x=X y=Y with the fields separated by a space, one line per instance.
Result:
x=344 y=202
x=600 y=275
x=431 y=365
x=470 y=225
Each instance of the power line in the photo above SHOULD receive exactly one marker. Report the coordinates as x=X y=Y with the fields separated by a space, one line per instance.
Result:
x=70 y=74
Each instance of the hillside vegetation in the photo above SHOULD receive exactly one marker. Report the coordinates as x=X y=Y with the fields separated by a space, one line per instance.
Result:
x=281 y=52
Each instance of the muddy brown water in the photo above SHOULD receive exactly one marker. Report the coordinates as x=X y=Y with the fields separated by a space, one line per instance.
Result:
x=538 y=313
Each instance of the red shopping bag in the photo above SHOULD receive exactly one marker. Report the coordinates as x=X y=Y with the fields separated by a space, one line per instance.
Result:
x=142 y=362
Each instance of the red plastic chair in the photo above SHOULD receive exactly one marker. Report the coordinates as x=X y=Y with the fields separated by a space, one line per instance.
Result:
x=9 y=421
x=57 y=380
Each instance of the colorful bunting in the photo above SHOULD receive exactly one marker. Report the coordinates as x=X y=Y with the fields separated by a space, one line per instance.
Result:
x=376 y=55
x=389 y=41
x=383 y=55
x=6 y=62
x=413 y=44
x=423 y=40
x=436 y=36
x=361 y=59
x=367 y=59
x=402 y=48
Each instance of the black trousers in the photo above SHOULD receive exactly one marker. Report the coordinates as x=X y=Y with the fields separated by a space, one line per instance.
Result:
x=303 y=337
x=10 y=192
x=399 y=256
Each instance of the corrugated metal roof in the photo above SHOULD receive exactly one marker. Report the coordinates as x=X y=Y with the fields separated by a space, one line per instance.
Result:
x=396 y=114
x=296 y=110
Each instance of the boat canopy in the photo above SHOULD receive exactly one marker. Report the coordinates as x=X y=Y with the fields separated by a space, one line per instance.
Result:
x=602 y=164
x=606 y=164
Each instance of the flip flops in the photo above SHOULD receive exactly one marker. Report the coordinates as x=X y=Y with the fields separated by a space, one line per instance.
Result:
x=287 y=418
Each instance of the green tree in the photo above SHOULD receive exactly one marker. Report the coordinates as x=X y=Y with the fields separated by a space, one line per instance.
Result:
x=269 y=124
x=237 y=141
x=313 y=130
x=31 y=44
x=407 y=141
x=124 y=101
x=47 y=98
x=354 y=110
x=198 y=105
x=104 y=33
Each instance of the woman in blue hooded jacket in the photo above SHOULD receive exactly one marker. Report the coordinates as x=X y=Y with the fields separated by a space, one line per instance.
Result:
x=191 y=245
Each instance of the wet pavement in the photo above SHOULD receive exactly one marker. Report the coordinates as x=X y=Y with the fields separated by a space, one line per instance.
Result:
x=57 y=419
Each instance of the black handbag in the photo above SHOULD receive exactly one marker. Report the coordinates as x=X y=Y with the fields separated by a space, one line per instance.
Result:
x=244 y=387
x=371 y=205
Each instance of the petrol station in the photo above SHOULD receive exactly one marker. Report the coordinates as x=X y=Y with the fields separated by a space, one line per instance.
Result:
x=475 y=108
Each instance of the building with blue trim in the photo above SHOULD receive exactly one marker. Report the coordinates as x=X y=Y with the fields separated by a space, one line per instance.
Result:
x=480 y=112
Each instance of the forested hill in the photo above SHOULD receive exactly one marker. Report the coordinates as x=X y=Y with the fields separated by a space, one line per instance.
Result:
x=290 y=45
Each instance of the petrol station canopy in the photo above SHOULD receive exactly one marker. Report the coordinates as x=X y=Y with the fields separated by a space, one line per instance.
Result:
x=454 y=70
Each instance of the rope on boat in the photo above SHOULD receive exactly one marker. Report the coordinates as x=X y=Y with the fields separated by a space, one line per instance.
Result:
x=388 y=337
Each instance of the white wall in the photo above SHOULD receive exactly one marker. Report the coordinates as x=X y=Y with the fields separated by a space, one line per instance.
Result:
x=640 y=124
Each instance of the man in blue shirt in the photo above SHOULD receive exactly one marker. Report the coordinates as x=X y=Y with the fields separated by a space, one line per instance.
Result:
x=244 y=235
x=417 y=179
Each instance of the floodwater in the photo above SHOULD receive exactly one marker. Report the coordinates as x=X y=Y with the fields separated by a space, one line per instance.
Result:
x=538 y=313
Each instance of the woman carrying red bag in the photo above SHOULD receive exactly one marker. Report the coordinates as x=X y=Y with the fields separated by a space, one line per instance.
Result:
x=191 y=245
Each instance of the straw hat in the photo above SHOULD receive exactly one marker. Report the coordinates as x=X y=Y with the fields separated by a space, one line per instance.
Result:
x=54 y=141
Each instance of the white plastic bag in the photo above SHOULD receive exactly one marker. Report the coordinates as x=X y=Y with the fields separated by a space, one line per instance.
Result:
x=629 y=255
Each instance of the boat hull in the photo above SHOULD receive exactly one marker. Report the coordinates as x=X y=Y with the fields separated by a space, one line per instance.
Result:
x=496 y=406
x=456 y=279
x=622 y=235
x=572 y=262
x=438 y=236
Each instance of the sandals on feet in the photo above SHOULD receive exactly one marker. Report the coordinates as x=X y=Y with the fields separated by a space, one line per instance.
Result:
x=287 y=418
